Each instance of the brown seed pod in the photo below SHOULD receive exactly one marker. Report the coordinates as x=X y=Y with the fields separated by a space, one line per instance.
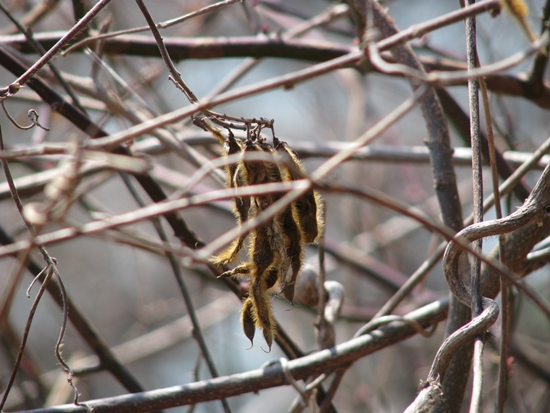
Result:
x=248 y=320
x=241 y=205
x=266 y=263
x=240 y=271
x=307 y=208
x=290 y=232
x=275 y=251
x=263 y=272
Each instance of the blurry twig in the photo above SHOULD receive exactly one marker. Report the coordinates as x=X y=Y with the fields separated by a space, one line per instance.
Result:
x=337 y=379
x=155 y=210
x=443 y=78
x=269 y=377
x=477 y=304
x=436 y=256
x=528 y=213
x=538 y=68
x=14 y=87
x=387 y=277
x=369 y=135
x=165 y=135
x=48 y=6
x=328 y=15
x=175 y=76
x=51 y=270
x=205 y=253
x=163 y=25
x=380 y=153
x=461 y=121
x=197 y=330
x=40 y=10
x=304 y=49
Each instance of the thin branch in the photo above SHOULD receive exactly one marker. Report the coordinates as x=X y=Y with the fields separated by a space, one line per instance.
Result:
x=538 y=68
x=477 y=176
x=476 y=304
x=214 y=389
x=462 y=122
x=180 y=49
x=197 y=330
x=34 y=15
x=385 y=276
x=38 y=47
x=163 y=25
x=153 y=189
x=14 y=87
x=406 y=288
x=369 y=135
x=449 y=78
x=49 y=272
x=534 y=210
x=505 y=298
x=462 y=156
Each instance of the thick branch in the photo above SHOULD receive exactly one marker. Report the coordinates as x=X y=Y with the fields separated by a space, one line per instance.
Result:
x=262 y=378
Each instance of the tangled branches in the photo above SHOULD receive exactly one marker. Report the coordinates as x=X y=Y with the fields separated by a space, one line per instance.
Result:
x=536 y=209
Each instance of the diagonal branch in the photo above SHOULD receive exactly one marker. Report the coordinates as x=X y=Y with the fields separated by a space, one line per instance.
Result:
x=263 y=378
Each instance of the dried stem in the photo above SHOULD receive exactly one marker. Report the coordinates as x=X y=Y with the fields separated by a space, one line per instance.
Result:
x=14 y=87
x=197 y=330
x=255 y=380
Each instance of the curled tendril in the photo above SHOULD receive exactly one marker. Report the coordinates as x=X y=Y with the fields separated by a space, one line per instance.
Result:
x=33 y=116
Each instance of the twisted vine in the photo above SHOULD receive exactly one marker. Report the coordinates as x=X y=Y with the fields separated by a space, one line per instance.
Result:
x=536 y=209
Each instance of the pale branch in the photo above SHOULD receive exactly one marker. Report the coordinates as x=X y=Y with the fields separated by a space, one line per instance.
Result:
x=14 y=87
x=263 y=378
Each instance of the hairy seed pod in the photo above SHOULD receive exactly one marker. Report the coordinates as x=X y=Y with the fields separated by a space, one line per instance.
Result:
x=275 y=250
x=290 y=232
x=241 y=205
x=248 y=320
x=307 y=208
x=265 y=259
x=239 y=271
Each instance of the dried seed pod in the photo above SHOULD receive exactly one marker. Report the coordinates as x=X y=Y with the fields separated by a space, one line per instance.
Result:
x=237 y=272
x=263 y=272
x=307 y=208
x=248 y=320
x=292 y=240
x=256 y=173
x=272 y=277
x=241 y=205
x=265 y=259
x=275 y=252
x=256 y=313
x=289 y=230
x=266 y=256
